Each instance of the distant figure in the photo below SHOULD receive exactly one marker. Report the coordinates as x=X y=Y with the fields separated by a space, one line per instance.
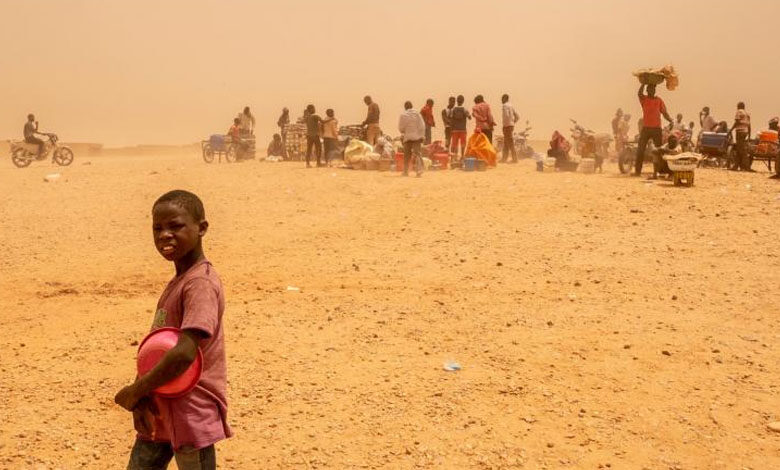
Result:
x=742 y=126
x=446 y=115
x=430 y=123
x=659 y=164
x=371 y=122
x=412 y=129
x=679 y=125
x=276 y=147
x=616 y=122
x=458 y=118
x=483 y=117
x=621 y=137
x=330 y=134
x=30 y=129
x=235 y=130
x=707 y=122
x=247 y=122
x=774 y=125
x=652 y=109
x=509 y=118
x=313 y=130
x=235 y=136
x=283 y=122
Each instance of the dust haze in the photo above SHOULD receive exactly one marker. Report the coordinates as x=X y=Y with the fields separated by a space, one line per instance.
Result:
x=173 y=72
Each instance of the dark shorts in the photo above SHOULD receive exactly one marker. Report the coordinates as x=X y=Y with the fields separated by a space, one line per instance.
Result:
x=148 y=455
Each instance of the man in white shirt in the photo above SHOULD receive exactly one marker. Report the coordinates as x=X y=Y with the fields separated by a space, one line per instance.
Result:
x=247 y=122
x=708 y=123
x=508 y=119
x=412 y=129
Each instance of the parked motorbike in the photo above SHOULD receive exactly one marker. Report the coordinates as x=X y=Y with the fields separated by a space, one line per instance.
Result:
x=521 y=142
x=23 y=153
x=588 y=144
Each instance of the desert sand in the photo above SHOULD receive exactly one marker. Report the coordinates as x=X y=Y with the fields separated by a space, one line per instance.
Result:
x=600 y=321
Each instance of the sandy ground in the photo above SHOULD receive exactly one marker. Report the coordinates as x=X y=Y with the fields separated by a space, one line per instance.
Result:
x=600 y=321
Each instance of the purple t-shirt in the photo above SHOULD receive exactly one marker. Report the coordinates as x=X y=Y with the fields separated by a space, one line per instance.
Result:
x=195 y=300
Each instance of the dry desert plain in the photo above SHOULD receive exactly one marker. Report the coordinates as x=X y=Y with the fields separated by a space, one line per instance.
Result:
x=600 y=321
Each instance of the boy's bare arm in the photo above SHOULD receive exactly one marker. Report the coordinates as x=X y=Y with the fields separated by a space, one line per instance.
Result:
x=172 y=365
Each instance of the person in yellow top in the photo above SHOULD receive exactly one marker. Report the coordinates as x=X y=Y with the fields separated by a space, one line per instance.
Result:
x=330 y=134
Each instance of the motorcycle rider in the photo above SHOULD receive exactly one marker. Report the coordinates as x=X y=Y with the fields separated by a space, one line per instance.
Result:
x=652 y=108
x=621 y=136
x=30 y=129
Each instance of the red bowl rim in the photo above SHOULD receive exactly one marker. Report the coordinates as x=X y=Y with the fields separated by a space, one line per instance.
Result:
x=198 y=361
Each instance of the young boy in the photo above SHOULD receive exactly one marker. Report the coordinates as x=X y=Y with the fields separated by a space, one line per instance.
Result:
x=186 y=427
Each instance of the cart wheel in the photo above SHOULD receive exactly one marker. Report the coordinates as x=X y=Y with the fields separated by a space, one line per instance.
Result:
x=208 y=153
x=626 y=161
x=230 y=153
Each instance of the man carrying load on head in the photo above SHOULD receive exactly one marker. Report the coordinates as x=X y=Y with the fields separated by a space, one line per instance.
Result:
x=652 y=109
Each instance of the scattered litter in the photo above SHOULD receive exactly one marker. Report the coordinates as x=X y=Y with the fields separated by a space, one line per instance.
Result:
x=451 y=366
x=293 y=289
x=748 y=187
x=51 y=177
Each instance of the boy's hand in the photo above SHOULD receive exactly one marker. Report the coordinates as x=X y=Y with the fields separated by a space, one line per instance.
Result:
x=143 y=417
x=128 y=397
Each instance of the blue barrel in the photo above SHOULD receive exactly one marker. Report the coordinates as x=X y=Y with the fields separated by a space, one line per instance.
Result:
x=469 y=164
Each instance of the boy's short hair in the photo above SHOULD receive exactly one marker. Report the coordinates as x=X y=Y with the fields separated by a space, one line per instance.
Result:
x=186 y=200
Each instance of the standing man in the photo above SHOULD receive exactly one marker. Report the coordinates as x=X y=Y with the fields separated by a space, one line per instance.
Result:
x=679 y=125
x=483 y=117
x=30 y=129
x=412 y=129
x=427 y=115
x=622 y=133
x=742 y=126
x=283 y=122
x=372 y=121
x=652 y=109
x=330 y=134
x=509 y=118
x=247 y=122
x=446 y=115
x=616 y=122
x=458 y=118
x=708 y=123
x=313 y=130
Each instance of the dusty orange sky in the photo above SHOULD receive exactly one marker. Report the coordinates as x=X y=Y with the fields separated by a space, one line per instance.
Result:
x=174 y=71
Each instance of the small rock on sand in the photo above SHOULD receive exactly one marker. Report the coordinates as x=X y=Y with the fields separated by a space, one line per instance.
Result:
x=775 y=427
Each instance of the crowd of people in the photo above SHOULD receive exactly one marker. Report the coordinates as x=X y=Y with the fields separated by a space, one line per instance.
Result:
x=322 y=133
x=677 y=133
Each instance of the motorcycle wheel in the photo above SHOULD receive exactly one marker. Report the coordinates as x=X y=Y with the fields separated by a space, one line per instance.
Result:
x=63 y=156
x=20 y=159
x=627 y=160
x=208 y=153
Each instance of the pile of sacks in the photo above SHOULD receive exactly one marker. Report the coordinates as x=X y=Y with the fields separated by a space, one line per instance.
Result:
x=654 y=76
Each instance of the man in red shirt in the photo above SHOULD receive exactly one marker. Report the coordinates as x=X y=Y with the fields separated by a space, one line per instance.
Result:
x=427 y=115
x=652 y=109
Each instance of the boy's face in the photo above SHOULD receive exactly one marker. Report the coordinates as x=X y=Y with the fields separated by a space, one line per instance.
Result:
x=176 y=232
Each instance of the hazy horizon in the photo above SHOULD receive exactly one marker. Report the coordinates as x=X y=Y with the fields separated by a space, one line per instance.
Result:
x=174 y=72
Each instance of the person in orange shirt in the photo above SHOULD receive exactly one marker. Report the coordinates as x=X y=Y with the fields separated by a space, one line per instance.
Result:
x=427 y=115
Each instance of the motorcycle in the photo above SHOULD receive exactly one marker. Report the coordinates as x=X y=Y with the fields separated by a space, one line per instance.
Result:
x=627 y=158
x=588 y=144
x=520 y=140
x=24 y=153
